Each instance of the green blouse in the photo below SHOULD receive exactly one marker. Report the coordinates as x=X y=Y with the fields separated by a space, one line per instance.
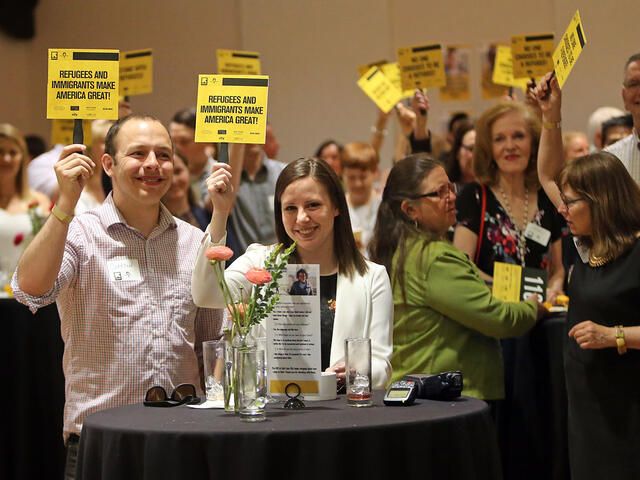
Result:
x=448 y=319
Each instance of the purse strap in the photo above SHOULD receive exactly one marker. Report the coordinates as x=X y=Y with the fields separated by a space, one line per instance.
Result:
x=481 y=230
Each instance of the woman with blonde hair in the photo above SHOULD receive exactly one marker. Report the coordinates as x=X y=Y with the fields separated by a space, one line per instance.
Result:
x=22 y=210
x=505 y=216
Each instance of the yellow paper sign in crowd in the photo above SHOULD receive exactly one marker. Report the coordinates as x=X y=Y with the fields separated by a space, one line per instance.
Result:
x=421 y=66
x=232 y=108
x=82 y=84
x=380 y=89
x=62 y=132
x=569 y=49
x=532 y=55
x=503 y=69
x=136 y=72
x=238 y=62
x=362 y=69
x=507 y=281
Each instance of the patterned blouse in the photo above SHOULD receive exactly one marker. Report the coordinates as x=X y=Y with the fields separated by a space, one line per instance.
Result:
x=500 y=237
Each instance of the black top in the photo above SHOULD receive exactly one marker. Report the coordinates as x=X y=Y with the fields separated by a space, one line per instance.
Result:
x=603 y=387
x=500 y=235
x=328 y=285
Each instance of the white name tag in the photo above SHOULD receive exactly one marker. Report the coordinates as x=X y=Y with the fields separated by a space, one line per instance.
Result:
x=122 y=269
x=538 y=234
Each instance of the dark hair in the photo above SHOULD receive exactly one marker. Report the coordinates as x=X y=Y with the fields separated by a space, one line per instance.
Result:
x=191 y=197
x=455 y=118
x=349 y=257
x=112 y=134
x=324 y=145
x=621 y=121
x=302 y=270
x=393 y=226
x=453 y=165
x=614 y=198
x=35 y=145
x=633 y=58
x=186 y=117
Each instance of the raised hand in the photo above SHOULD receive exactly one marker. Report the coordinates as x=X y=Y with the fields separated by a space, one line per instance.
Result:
x=73 y=169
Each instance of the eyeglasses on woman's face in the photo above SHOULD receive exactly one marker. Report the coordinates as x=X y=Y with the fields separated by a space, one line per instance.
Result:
x=570 y=201
x=442 y=192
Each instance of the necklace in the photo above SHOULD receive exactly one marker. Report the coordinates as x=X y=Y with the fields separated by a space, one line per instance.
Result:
x=521 y=241
x=597 y=261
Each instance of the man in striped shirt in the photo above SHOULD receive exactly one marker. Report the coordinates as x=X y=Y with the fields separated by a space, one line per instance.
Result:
x=121 y=276
x=628 y=149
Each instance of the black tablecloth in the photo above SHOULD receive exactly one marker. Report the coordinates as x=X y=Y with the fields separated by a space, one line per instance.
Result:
x=328 y=440
x=533 y=420
x=33 y=392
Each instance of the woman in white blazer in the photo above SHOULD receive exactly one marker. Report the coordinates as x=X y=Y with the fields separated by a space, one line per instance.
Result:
x=310 y=209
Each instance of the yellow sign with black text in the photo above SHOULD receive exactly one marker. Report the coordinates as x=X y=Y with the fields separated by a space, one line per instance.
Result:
x=238 y=62
x=532 y=55
x=421 y=66
x=136 y=72
x=83 y=84
x=569 y=49
x=62 y=132
x=380 y=89
x=232 y=108
x=503 y=69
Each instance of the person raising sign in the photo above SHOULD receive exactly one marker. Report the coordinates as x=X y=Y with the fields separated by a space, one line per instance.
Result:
x=311 y=209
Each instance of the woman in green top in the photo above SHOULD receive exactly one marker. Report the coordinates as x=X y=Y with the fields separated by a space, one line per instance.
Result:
x=445 y=315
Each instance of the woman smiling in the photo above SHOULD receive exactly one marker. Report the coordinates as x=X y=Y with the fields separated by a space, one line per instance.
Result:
x=311 y=209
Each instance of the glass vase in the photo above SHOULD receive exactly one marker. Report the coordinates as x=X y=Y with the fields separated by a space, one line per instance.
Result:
x=240 y=342
x=251 y=400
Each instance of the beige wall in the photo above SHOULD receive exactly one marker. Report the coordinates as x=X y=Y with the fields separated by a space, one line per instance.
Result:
x=310 y=49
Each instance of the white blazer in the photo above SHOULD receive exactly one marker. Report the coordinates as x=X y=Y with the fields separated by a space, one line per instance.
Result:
x=364 y=304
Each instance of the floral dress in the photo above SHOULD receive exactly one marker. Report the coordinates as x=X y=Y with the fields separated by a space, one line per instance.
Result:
x=500 y=237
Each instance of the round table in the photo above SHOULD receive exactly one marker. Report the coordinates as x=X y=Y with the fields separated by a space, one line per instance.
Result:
x=329 y=440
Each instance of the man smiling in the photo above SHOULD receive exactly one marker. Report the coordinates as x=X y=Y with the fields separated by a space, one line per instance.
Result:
x=121 y=276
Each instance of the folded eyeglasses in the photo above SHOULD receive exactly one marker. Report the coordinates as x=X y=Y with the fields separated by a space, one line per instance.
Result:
x=185 y=393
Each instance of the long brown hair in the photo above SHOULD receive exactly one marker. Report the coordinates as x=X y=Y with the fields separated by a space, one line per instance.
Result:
x=349 y=257
x=393 y=226
x=21 y=182
x=614 y=198
x=484 y=166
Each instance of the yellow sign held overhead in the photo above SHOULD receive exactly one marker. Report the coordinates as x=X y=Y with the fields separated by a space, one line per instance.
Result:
x=62 y=132
x=136 y=72
x=232 y=108
x=362 y=69
x=83 y=84
x=503 y=69
x=421 y=66
x=392 y=72
x=532 y=55
x=569 y=49
x=380 y=89
x=238 y=62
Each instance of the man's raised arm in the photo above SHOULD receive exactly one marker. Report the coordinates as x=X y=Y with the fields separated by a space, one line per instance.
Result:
x=39 y=265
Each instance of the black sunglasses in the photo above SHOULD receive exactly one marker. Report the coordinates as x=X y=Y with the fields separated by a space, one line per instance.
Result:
x=184 y=393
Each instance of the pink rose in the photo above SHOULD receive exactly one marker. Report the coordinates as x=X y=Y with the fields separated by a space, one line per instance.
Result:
x=219 y=253
x=17 y=240
x=258 y=276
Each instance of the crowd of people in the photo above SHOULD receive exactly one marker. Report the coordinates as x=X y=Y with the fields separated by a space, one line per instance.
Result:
x=406 y=255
